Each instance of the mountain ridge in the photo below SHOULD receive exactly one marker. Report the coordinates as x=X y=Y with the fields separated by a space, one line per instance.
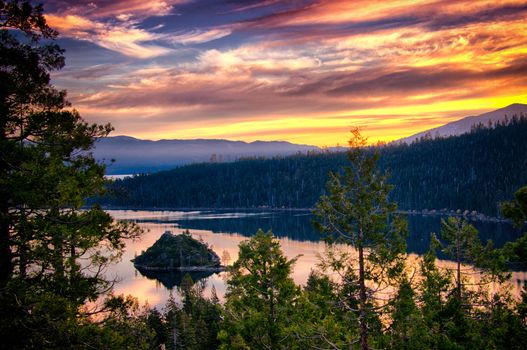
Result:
x=465 y=124
x=133 y=155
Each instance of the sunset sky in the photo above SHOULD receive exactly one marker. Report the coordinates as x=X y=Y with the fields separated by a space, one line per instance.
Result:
x=301 y=71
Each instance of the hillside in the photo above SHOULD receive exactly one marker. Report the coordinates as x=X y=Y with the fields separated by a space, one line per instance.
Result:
x=464 y=125
x=133 y=156
x=473 y=171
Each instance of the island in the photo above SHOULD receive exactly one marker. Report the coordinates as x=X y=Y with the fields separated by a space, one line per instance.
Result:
x=179 y=252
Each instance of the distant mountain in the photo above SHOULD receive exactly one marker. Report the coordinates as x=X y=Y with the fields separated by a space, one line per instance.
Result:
x=464 y=125
x=134 y=156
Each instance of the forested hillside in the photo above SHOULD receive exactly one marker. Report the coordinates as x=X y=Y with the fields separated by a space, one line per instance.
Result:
x=474 y=171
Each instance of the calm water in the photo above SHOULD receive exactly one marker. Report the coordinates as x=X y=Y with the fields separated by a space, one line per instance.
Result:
x=224 y=230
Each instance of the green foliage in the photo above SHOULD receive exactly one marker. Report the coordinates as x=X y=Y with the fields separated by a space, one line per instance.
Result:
x=357 y=212
x=408 y=329
x=50 y=300
x=194 y=324
x=516 y=210
x=260 y=298
x=435 y=284
x=462 y=244
x=320 y=319
x=501 y=326
x=462 y=241
x=46 y=172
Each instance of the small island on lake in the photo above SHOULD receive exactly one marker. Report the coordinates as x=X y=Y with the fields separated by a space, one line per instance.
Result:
x=178 y=253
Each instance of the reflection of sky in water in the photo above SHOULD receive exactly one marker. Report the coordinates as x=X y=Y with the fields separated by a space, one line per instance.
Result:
x=167 y=216
x=223 y=231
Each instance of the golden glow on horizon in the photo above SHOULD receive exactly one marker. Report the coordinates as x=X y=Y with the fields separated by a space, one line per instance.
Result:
x=328 y=130
x=392 y=68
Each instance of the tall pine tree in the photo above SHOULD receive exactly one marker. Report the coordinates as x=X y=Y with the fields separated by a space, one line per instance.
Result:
x=357 y=211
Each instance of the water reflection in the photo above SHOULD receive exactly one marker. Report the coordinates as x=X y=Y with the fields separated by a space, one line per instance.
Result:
x=171 y=279
x=299 y=226
x=224 y=230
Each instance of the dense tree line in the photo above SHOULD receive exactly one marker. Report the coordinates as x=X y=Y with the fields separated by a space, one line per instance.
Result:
x=474 y=171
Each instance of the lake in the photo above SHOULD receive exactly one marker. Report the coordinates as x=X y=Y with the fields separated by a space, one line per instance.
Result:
x=224 y=230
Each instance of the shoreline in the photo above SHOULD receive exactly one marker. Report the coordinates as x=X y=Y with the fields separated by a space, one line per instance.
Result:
x=471 y=215
x=181 y=268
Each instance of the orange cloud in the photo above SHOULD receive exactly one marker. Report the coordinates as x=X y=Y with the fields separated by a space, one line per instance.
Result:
x=122 y=38
x=302 y=73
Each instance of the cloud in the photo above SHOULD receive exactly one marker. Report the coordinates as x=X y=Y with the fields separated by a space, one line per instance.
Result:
x=295 y=68
x=121 y=37
x=99 y=9
x=199 y=36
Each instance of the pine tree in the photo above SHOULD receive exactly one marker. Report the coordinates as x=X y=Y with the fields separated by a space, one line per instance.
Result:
x=357 y=212
x=408 y=329
x=46 y=172
x=462 y=245
x=260 y=296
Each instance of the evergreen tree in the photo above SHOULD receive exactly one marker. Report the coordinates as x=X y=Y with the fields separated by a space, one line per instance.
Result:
x=46 y=172
x=320 y=320
x=516 y=252
x=194 y=324
x=462 y=245
x=260 y=297
x=516 y=210
x=357 y=212
x=408 y=329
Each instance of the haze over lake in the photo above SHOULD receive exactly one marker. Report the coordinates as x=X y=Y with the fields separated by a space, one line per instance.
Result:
x=224 y=230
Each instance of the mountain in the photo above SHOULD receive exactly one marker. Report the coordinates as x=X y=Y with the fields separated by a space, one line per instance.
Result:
x=464 y=125
x=134 y=156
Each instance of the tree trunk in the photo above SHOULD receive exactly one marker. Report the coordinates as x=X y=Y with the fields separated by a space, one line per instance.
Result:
x=459 y=277
x=6 y=263
x=362 y=307
x=458 y=252
x=271 y=331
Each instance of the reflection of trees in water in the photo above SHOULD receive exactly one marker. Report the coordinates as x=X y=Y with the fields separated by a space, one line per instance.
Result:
x=294 y=226
x=421 y=226
x=170 y=279
x=299 y=227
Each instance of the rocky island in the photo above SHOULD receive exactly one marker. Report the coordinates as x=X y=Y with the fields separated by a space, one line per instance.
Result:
x=178 y=253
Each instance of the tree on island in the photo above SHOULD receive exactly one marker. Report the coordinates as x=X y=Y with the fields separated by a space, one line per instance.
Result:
x=46 y=172
x=356 y=211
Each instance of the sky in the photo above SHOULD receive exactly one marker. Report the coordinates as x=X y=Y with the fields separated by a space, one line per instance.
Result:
x=300 y=71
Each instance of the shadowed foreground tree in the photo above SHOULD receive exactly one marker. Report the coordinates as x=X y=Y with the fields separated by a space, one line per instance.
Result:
x=52 y=254
x=356 y=211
